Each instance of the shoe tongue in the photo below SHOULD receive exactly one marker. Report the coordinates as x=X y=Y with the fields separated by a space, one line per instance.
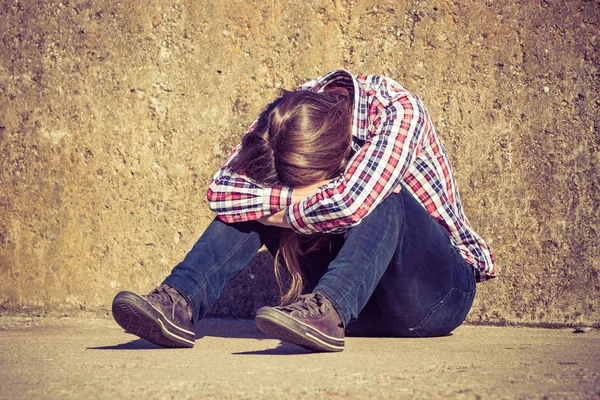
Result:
x=165 y=293
x=309 y=302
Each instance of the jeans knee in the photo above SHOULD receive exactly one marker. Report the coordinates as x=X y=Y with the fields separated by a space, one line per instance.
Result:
x=447 y=315
x=391 y=209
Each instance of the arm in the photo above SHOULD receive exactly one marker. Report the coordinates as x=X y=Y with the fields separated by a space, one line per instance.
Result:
x=278 y=218
x=372 y=174
x=298 y=194
x=237 y=198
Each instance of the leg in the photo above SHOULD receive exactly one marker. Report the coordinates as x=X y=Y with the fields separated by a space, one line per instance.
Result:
x=220 y=254
x=352 y=276
x=402 y=262
x=166 y=316
x=316 y=321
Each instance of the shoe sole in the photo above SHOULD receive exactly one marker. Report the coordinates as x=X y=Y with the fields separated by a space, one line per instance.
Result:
x=137 y=316
x=279 y=325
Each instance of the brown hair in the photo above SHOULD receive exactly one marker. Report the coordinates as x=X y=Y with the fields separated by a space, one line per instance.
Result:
x=301 y=138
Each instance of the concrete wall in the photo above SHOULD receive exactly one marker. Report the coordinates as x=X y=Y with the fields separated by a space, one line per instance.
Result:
x=114 y=116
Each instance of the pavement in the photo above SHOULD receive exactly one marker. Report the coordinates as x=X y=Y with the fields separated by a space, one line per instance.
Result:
x=92 y=358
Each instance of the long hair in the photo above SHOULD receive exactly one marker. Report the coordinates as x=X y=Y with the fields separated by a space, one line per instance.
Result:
x=301 y=138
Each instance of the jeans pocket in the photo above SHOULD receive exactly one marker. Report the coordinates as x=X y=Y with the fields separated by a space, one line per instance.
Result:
x=446 y=315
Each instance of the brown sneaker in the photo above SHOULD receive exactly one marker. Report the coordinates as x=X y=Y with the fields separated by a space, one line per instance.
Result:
x=310 y=322
x=162 y=317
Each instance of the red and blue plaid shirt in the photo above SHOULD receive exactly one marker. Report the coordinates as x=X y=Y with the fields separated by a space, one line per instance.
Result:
x=394 y=141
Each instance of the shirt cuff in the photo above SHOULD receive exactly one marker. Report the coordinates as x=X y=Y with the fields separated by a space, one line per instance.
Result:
x=294 y=219
x=276 y=198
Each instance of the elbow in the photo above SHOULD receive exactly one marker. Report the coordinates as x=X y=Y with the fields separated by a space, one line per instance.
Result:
x=353 y=218
x=357 y=217
x=210 y=195
x=355 y=213
x=212 y=199
x=217 y=203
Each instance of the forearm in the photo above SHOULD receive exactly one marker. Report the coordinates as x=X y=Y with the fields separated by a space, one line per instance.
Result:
x=276 y=219
x=298 y=194
x=238 y=198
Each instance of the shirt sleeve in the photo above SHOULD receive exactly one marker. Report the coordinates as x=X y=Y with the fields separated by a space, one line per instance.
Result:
x=372 y=173
x=235 y=197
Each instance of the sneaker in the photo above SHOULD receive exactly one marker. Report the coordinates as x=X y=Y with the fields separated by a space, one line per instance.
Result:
x=310 y=322
x=162 y=317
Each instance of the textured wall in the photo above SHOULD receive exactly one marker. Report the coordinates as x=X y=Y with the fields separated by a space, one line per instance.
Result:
x=114 y=116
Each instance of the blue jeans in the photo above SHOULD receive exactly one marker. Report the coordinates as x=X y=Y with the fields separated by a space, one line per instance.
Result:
x=394 y=274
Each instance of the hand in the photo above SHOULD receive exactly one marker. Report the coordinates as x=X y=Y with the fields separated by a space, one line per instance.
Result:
x=276 y=219
x=299 y=193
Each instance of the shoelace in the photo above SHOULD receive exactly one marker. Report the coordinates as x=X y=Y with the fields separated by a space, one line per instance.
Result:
x=309 y=304
x=164 y=295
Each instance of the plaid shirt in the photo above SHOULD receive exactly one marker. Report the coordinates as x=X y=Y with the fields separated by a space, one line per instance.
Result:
x=394 y=141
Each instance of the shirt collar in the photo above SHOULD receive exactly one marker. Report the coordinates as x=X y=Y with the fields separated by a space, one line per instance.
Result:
x=359 y=116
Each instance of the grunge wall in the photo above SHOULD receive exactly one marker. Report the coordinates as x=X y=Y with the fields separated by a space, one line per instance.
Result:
x=115 y=114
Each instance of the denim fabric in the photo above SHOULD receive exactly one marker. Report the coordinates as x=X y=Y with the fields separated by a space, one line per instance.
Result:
x=398 y=274
x=218 y=256
x=394 y=274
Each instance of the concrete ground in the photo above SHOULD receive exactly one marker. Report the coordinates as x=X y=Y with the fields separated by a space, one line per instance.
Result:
x=93 y=358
